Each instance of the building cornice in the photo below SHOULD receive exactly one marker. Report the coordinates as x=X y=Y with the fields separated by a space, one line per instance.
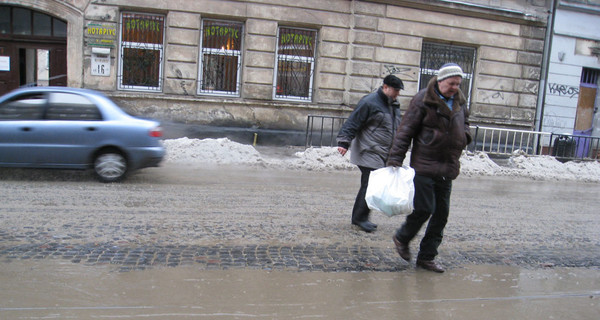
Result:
x=579 y=7
x=470 y=9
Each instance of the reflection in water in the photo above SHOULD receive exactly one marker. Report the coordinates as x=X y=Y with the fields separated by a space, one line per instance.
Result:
x=57 y=289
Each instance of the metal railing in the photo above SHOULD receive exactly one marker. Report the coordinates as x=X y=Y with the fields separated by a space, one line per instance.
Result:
x=321 y=131
x=500 y=141
x=574 y=147
x=563 y=147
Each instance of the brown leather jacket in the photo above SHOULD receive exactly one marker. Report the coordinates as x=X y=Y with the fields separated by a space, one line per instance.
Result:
x=438 y=134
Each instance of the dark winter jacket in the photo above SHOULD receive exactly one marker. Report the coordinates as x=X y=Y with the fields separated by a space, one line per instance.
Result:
x=369 y=131
x=438 y=134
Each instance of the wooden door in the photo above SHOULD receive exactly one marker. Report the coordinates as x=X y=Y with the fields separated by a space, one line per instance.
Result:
x=585 y=107
x=9 y=79
x=58 y=67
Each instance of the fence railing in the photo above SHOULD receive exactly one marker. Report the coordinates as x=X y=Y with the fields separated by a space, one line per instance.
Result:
x=572 y=146
x=321 y=131
x=563 y=147
x=506 y=141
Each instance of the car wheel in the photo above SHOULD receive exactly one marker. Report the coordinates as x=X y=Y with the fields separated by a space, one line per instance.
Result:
x=110 y=166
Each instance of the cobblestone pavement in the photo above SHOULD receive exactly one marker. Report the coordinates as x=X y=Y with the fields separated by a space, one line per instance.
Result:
x=332 y=258
x=262 y=219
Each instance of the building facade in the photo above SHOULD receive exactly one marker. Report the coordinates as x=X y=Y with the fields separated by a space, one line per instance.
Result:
x=572 y=97
x=268 y=64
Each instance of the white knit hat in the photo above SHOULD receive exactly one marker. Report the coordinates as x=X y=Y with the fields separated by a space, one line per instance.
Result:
x=449 y=70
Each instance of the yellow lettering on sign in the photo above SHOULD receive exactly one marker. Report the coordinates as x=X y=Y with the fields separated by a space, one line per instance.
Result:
x=101 y=31
x=143 y=25
x=222 y=31
x=296 y=39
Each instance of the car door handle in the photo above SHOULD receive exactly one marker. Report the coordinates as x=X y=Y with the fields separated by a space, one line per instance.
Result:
x=90 y=128
x=25 y=129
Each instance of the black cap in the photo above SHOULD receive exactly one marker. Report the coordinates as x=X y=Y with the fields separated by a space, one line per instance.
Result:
x=393 y=81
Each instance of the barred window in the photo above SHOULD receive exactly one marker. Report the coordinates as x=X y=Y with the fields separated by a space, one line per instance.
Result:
x=220 y=57
x=295 y=64
x=435 y=55
x=141 y=51
x=590 y=77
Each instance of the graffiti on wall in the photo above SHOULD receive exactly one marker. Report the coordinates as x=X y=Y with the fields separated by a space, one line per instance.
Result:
x=395 y=70
x=496 y=96
x=372 y=83
x=563 y=90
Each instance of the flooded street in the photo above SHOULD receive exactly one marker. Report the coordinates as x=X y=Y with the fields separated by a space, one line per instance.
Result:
x=235 y=243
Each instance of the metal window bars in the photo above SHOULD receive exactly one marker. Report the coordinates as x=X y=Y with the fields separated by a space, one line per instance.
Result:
x=435 y=55
x=141 y=51
x=221 y=56
x=295 y=64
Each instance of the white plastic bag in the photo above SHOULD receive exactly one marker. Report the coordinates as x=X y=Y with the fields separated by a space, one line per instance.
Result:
x=391 y=190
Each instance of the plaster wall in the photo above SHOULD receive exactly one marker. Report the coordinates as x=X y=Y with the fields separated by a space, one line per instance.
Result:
x=359 y=42
x=565 y=69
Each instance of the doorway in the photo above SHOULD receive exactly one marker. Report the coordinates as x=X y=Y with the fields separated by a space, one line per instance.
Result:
x=32 y=49
x=586 y=110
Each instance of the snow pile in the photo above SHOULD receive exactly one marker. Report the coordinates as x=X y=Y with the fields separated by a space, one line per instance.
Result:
x=548 y=168
x=477 y=164
x=584 y=171
x=322 y=158
x=224 y=151
x=539 y=168
x=219 y=151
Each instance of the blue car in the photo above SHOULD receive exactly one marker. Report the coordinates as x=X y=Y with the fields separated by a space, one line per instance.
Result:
x=70 y=128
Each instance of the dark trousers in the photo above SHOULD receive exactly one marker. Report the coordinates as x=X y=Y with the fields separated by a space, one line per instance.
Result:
x=432 y=201
x=361 y=211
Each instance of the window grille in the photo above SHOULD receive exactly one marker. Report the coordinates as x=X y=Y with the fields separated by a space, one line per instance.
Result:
x=295 y=64
x=221 y=56
x=435 y=55
x=590 y=77
x=141 y=51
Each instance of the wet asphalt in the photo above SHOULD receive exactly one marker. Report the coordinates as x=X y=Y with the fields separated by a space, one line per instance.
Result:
x=213 y=218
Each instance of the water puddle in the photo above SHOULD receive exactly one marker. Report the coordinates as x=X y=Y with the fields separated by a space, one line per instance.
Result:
x=55 y=289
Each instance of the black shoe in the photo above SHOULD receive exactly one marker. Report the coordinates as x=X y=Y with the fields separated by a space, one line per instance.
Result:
x=366 y=226
x=403 y=249
x=372 y=224
x=430 y=265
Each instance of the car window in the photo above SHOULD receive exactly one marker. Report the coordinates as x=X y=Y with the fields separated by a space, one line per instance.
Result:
x=23 y=107
x=70 y=106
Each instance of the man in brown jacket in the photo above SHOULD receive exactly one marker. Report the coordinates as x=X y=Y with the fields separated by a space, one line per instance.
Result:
x=437 y=125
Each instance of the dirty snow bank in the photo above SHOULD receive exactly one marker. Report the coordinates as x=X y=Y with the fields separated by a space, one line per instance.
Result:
x=224 y=151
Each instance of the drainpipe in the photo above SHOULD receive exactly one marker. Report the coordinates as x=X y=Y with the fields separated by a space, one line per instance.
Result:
x=539 y=116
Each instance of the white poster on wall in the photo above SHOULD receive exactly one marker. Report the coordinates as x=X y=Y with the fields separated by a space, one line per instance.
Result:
x=4 y=63
x=101 y=62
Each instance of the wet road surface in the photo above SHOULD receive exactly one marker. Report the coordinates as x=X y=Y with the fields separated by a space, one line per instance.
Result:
x=222 y=218
x=57 y=289
x=72 y=247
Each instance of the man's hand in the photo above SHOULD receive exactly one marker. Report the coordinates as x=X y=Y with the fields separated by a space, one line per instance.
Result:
x=342 y=150
x=392 y=163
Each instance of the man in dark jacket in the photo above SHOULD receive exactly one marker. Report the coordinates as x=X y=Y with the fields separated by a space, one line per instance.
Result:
x=369 y=133
x=437 y=124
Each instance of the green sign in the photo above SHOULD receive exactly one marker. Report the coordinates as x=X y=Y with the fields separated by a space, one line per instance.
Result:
x=101 y=34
